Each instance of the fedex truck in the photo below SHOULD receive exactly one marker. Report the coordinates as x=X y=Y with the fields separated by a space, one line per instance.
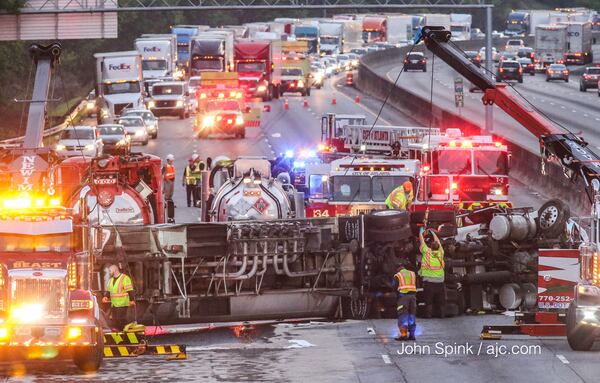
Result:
x=159 y=55
x=550 y=44
x=118 y=83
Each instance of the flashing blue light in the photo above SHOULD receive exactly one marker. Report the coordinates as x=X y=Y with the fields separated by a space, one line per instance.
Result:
x=289 y=154
x=312 y=153
x=299 y=164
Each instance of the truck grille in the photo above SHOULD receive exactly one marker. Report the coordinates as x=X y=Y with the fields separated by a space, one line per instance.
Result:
x=166 y=103
x=119 y=108
x=70 y=147
x=46 y=291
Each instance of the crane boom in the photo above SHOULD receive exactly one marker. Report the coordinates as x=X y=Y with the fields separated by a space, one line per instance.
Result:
x=571 y=151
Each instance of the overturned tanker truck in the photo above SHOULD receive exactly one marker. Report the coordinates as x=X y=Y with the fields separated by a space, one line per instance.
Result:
x=259 y=259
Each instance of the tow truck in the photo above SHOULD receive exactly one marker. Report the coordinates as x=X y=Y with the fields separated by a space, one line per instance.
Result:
x=581 y=165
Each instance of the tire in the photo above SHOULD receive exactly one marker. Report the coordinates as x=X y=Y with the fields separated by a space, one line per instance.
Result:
x=382 y=235
x=357 y=308
x=567 y=80
x=520 y=80
x=532 y=73
x=582 y=88
x=155 y=135
x=387 y=219
x=547 y=79
x=579 y=337
x=552 y=217
x=182 y=115
x=89 y=359
x=498 y=79
x=145 y=142
x=435 y=216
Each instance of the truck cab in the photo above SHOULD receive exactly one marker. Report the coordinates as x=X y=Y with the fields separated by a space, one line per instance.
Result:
x=517 y=24
x=170 y=98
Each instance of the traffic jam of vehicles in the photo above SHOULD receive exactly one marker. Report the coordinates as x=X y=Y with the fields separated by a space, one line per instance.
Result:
x=312 y=232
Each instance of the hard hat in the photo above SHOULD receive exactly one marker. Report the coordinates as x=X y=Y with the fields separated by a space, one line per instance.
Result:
x=195 y=156
x=170 y=157
x=407 y=186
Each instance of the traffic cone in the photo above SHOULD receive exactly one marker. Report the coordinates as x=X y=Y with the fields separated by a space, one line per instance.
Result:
x=357 y=99
x=333 y=101
x=305 y=103
x=286 y=104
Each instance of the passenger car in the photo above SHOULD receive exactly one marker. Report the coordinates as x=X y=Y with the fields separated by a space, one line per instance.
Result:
x=509 y=70
x=557 y=72
x=114 y=138
x=415 y=61
x=135 y=127
x=527 y=65
x=149 y=118
x=589 y=78
x=80 y=140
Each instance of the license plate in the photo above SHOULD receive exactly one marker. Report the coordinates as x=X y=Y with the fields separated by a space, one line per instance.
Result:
x=414 y=61
x=52 y=331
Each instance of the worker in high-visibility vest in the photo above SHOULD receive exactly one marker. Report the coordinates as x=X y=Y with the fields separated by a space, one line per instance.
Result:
x=120 y=296
x=401 y=198
x=432 y=272
x=405 y=282
x=189 y=180
x=197 y=174
x=168 y=172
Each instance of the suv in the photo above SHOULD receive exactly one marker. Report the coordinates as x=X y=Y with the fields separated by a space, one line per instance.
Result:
x=509 y=70
x=589 y=78
x=513 y=45
x=170 y=98
x=79 y=141
x=416 y=61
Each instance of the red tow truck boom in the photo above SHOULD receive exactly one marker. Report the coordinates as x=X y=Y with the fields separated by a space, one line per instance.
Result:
x=571 y=151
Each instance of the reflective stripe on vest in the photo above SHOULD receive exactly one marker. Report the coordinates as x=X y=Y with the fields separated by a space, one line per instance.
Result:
x=396 y=199
x=189 y=176
x=432 y=263
x=406 y=281
x=118 y=289
x=169 y=172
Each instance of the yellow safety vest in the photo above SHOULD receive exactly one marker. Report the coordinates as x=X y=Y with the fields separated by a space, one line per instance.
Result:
x=397 y=199
x=197 y=171
x=406 y=281
x=118 y=289
x=432 y=262
x=189 y=176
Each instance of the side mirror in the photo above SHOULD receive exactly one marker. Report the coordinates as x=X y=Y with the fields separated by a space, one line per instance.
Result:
x=247 y=109
x=187 y=94
x=266 y=108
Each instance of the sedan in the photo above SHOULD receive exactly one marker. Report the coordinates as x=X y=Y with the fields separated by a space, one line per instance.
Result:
x=115 y=140
x=135 y=127
x=149 y=118
x=557 y=72
x=415 y=61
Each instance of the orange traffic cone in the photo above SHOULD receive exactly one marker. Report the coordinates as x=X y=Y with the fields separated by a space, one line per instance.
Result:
x=333 y=101
x=286 y=104
x=305 y=103
x=357 y=99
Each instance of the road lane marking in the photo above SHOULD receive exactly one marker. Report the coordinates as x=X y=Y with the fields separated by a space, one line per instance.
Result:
x=387 y=360
x=276 y=135
x=371 y=330
x=299 y=343
x=562 y=359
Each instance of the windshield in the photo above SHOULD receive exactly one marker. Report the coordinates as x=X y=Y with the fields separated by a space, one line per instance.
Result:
x=183 y=49
x=318 y=186
x=36 y=243
x=489 y=162
x=111 y=130
x=458 y=28
x=77 y=134
x=251 y=67
x=291 y=72
x=514 y=43
x=147 y=116
x=558 y=67
x=215 y=65
x=593 y=71
x=351 y=189
x=454 y=162
x=510 y=64
x=122 y=87
x=383 y=186
x=154 y=65
x=215 y=106
x=130 y=122
x=164 y=90
x=329 y=40
x=415 y=57
x=370 y=35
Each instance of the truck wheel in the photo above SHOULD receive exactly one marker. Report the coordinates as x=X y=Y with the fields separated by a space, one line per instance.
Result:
x=582 y=88
x=552 y=217
x=182 y=115
x=383 y=235
x=155 y=135
x=145 y=142
x=89 y=359
x=580 y=337
x=520 y=80
x=387 y=219
x=424 y=69
x=355 y=307
x=276 y=92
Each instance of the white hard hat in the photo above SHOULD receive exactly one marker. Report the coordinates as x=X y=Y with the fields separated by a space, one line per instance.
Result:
x=170 y=157
x=195 y=156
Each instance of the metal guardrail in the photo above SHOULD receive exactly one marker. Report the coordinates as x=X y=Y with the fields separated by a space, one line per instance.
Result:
x=12 y=142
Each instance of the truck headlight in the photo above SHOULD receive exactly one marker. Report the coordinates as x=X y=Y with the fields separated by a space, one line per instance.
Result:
x=179 y=103
x=90 y=147
x=261 y=88
x=60 y=147
x=208 y=121
x=151 y=104
x=90 y=105
x=239 y=120
x=28 y=313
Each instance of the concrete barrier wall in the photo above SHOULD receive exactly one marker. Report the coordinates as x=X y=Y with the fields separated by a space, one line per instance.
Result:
x=526 y=165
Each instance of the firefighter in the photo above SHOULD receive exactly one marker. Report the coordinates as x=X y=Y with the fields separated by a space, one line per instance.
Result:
x=168 y=172
x=432 y=272
x=401 y=198
x=120 y=296
x=189 y=180
x=405 y=281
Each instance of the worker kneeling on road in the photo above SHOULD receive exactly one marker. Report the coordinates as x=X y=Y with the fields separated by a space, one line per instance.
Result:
x=401 y=198
x=432 y=272
x=120 y=290
x=405 y=281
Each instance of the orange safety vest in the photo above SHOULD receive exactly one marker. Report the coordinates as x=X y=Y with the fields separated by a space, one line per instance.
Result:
x=169 y=172
x=406 y=281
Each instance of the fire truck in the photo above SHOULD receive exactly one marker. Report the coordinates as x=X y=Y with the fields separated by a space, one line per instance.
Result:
x=355 y=185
